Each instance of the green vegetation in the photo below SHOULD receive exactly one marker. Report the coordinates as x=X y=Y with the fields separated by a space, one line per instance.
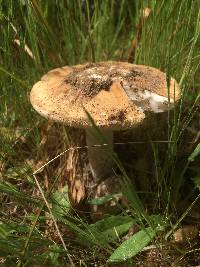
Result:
x=37 y=224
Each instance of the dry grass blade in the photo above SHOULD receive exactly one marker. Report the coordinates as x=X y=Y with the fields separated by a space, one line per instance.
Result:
x=54 y=220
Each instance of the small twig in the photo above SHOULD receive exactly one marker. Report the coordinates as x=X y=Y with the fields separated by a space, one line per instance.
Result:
x=33 y=226
x=178 y=28
x=54 y=220
x=181 y=218
x=174 y=264
x=144 y=16
x=25 y=46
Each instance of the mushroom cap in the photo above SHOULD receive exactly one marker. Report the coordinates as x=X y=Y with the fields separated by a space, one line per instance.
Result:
x=116 y=94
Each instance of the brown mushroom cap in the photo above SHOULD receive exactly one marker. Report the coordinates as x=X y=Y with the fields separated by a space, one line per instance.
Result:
x=64 y=93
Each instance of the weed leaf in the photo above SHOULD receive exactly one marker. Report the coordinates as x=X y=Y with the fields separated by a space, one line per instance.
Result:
x=133 y=245
x=108 y=230
x=60 y=202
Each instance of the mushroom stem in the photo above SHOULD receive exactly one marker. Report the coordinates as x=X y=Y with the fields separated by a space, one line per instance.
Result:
x=100 y=161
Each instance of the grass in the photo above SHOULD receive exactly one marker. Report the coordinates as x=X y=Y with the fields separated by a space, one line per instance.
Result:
x=43 y=229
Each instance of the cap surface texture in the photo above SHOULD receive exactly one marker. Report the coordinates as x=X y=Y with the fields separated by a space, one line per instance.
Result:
x=116 y=94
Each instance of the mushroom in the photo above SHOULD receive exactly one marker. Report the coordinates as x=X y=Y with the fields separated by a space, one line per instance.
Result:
x=115 y=94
